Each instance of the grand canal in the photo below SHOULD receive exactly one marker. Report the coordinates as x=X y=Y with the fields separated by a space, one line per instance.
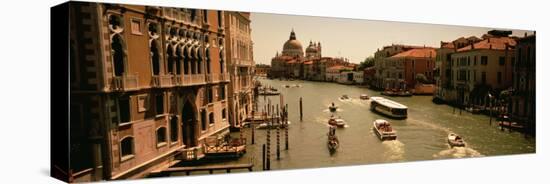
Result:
x=422 y=136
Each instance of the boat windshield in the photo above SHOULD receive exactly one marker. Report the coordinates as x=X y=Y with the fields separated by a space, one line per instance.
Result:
x=399 y=111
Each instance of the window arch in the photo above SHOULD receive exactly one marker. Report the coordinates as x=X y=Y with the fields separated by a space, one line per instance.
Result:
x=211 y=119
x=174 y=129
x=170 y=59
x=127 y=148
x=178 y=59
x=118 y=55
x=207 y=59
x=155 y=57
x=161 y=136
x=198 y=58
x=186 y=60
x=221 y=62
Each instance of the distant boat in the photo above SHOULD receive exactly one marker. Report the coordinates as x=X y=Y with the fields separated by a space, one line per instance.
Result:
x=384 y=130
x=389 y=93
x=338 y=122
x=332 y=141
x=364 y=97
x=344 y=97
x=333 y=107
x=404 y=93
x=388 y=107
x=455 y=140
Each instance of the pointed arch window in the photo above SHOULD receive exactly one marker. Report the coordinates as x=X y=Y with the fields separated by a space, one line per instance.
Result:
x=127 y=148
x=118 y=55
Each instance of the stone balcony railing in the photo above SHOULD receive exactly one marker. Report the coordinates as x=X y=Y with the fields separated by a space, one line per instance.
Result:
x=192 y=79
x=162 y=81
x=126 y=82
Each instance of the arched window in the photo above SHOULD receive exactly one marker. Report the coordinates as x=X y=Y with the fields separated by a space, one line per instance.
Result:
x=221 y=62
x=170 y=54
x=126 y=148
x=118 y=54
x=207 y=58
x=198 y=58
x=155 y=59
x=186 y=60
x=174 y=129
x=161 y=136
x=178 y=59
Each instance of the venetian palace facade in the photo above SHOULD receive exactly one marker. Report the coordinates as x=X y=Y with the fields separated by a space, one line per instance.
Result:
x=149 y=84
x=240 y=66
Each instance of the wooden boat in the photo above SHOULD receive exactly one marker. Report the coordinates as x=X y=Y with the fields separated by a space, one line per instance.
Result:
x=332 y=108
x=269 y=93
x=383 y=130
x=270 y=125
x=388 y=107
x=404 y=94
x=338 y=122
x=455 y=140
x=364 y=97
x=344 y=97
x=389 y=93
x=332 y=141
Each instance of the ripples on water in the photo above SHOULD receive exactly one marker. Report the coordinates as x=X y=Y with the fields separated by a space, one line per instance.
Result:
x=395 y=150
x=458 y=152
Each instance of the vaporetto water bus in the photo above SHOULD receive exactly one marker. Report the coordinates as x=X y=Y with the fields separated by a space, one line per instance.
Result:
x=388 y=107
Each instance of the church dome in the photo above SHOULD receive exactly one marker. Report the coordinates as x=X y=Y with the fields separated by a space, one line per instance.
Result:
x=311 y=48
x=293 y=47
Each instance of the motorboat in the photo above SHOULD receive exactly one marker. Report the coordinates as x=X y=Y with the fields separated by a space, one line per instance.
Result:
x=455 y=140
x=338 y=122
x=404 y=93
x=389 y=93
x=388 y=107
x=384 y=130
x=344 y=97
x=332 y=141
x=364 y=97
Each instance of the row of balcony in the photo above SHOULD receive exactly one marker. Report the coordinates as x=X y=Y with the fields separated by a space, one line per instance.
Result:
x=129 y=82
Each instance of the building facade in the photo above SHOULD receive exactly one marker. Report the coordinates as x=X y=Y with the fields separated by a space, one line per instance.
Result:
x=482 y=68
x=400 y=71
x=522 y=105
x=240 y=66
x=380 y=63
x=148 y=86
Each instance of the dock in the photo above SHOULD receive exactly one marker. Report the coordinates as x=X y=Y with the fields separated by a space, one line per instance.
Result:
x=210 y=168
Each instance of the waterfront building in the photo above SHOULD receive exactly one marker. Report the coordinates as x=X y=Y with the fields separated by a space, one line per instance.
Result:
x=523 y=101
x=240 y=65
x=380 y=62
x=482 y=68
x=444 y=75
x=147 y=87
x=262 y=70
x=401 y=70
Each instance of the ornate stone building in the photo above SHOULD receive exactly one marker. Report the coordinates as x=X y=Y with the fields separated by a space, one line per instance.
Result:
x=240 y=66
x=522 y=106
x=147 y=87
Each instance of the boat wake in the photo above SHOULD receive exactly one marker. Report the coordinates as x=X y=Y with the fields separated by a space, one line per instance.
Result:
x=396 y=150
x=358 y=102
x=458 y=152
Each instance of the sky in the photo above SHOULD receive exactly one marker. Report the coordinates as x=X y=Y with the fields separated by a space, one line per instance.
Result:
x=354 y=39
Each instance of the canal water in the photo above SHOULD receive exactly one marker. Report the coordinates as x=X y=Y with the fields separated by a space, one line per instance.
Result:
x=422 y=136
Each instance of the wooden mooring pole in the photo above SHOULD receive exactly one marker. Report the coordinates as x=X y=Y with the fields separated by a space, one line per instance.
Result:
x=263 y=158
x=278 y=132
x=301 y=114
x=285 y=114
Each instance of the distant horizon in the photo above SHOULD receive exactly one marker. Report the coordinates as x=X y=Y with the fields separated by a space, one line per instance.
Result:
x=355 y=39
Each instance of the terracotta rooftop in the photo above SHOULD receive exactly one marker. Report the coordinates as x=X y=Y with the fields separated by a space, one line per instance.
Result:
x=418 y=53
x=338 y=67
x=308 y=62
x=497 y=43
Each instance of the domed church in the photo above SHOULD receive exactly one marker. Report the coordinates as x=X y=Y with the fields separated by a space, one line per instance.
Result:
x=293 y=47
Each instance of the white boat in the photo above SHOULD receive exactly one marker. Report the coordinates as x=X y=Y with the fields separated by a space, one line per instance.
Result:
x=383 y=130
x=338 y=122
x=364 y=97
x=388 y=107
x=455 y=140
x=270 y=125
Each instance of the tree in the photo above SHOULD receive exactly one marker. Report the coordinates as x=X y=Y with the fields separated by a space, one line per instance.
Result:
x=368 y=62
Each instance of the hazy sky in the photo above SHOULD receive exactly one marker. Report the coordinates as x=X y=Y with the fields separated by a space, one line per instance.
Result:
x=350 y=38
